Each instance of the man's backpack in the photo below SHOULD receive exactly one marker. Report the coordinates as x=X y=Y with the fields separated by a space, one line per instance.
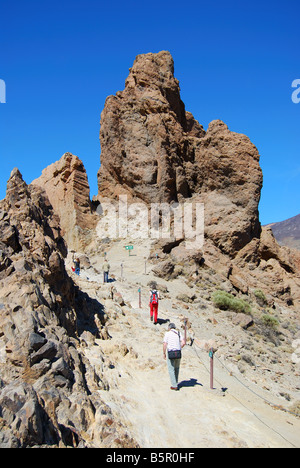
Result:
x=154 y=297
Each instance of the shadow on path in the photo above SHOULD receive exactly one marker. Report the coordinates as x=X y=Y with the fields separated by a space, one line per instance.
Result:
x=189 y=383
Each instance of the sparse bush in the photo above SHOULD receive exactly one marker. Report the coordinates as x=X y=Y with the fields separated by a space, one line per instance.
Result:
x=269 y=321
x=226 y=301
x=260 y=297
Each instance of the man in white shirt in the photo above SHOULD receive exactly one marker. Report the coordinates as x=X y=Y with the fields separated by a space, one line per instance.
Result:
x=173 y=343
x=105 y=268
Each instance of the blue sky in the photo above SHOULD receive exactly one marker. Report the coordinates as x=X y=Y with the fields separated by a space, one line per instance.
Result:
x=235 y=62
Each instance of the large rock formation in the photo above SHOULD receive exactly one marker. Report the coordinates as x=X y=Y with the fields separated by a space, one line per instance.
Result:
x=155 y=151
x=47 y=388
x=66 y=185
x=152 y=149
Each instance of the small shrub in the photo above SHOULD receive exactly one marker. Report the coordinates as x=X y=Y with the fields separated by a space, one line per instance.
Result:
x=269 y=321
x=260 y=296
x=226 y=301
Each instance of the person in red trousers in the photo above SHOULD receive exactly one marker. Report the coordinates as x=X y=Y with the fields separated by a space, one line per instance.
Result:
x=153 y=302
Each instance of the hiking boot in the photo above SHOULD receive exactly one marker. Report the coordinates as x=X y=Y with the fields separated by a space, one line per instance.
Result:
x=151 y=318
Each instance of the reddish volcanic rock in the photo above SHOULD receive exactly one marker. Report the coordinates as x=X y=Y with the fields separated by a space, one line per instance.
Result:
x=152 y=149
x=66 y=185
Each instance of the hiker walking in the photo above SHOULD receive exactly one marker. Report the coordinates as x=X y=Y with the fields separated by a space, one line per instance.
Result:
x=153 y=302
x=172 y=346
x=76 y=266
x=105 y=268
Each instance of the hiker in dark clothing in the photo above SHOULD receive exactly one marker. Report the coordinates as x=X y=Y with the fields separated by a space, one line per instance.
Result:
x=76 y=266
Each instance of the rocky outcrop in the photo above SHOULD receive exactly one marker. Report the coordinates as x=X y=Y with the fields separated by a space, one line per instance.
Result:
x=48 y=388
x=66 y=185
x=229 y=180
x=154 y=150
x=141 y=133
x=261 y=265
x=272 y=268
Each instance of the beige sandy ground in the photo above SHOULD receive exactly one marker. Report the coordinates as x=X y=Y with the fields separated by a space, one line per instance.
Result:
x=139 y=388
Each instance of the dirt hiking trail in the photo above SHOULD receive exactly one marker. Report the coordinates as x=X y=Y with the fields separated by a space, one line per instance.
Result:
x=235 y=414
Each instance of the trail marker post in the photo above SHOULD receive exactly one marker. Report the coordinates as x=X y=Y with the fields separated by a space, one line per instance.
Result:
x=140 y=298
x=211 y=356
x=129 y=248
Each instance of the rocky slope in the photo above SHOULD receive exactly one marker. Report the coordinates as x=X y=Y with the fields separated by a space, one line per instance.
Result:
x=46 y=384
x=257 y=356
x=288 y=232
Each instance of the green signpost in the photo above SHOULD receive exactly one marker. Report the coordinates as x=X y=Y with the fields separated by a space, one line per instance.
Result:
x=129 y=248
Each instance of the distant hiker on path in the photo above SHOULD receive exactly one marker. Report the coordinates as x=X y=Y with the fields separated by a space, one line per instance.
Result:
x=153 y=302
x=105 y=268
x=172 y=346
x=76 y=266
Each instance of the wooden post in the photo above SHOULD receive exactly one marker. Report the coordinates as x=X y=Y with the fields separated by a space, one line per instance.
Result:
x=140 y=298
x=185 y=331
x=211 y=356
